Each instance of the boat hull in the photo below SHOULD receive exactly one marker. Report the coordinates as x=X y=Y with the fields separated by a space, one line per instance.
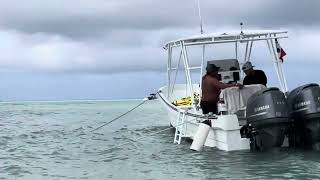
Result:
x=225 y=129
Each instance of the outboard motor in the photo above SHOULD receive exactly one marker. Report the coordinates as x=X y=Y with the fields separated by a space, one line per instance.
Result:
x=304 y=103
x=267 y=119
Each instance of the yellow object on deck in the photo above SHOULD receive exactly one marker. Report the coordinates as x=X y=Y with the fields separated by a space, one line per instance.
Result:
x=186 y=101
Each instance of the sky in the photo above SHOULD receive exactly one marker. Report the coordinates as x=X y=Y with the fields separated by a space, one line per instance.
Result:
x=112 y=49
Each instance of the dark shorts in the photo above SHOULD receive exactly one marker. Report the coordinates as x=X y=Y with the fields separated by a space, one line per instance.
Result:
x=209 y=107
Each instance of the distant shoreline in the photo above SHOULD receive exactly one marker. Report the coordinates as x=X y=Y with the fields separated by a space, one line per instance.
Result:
x=72 y=100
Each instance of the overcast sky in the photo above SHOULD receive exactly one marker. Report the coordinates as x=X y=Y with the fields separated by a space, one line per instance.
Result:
x=110 y=49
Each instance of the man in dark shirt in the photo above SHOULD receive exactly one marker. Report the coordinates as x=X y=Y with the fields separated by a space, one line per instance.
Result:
x=211 y=87
x=253 y=76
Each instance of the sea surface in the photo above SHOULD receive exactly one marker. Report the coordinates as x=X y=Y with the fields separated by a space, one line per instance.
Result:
x=53 y=140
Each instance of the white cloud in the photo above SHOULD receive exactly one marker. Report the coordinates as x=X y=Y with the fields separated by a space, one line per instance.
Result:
x=141 y=51
x=54 y=53
x=42 y=52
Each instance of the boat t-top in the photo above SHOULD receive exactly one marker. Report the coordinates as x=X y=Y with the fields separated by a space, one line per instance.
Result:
x=253 y=117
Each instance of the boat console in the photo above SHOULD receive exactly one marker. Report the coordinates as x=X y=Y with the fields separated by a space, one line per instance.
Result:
x=229 y=70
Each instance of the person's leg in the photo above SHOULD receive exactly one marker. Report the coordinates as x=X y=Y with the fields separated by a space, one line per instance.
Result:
x=204 y=106
x=213 y=108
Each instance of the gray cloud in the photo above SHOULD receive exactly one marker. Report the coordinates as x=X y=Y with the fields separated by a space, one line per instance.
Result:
x=81 y=18
x=107 y=36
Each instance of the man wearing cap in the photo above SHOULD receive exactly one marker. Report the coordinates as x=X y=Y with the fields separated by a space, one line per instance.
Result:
x=253 y=76
x=211 y=87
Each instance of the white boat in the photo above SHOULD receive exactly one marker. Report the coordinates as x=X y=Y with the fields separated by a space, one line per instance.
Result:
x=187 y=116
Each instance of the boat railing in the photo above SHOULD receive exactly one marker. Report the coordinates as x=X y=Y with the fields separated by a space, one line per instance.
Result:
x=225 y=38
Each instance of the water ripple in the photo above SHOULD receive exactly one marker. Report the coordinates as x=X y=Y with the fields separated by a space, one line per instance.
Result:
x=53 y=141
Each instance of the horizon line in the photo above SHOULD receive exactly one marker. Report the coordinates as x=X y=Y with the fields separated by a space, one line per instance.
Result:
x=71 y=100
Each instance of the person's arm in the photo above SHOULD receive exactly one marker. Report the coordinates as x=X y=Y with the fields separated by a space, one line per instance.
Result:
x=221 y=85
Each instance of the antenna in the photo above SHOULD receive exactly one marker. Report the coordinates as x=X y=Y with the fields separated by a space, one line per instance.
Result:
x=200 y=18
x=241 y=24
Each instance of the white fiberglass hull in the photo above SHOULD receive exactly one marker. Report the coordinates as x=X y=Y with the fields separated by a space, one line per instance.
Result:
x=224 y=133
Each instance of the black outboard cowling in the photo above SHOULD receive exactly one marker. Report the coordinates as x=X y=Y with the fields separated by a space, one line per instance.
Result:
x=267 y=118
x=304 y=103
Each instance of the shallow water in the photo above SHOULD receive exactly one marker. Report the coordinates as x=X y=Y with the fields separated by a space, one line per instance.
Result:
x=52 y=140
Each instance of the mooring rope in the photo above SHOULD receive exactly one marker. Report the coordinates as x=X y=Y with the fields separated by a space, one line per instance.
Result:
x=151 y=97
x=120 y=116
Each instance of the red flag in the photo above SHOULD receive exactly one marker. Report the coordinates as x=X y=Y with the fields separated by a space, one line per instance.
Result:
x=280 y=51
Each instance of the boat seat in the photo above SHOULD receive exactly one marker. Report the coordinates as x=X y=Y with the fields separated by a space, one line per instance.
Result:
x=236 y=99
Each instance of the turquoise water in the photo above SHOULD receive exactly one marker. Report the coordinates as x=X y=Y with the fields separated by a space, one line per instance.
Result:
x=52 y=140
